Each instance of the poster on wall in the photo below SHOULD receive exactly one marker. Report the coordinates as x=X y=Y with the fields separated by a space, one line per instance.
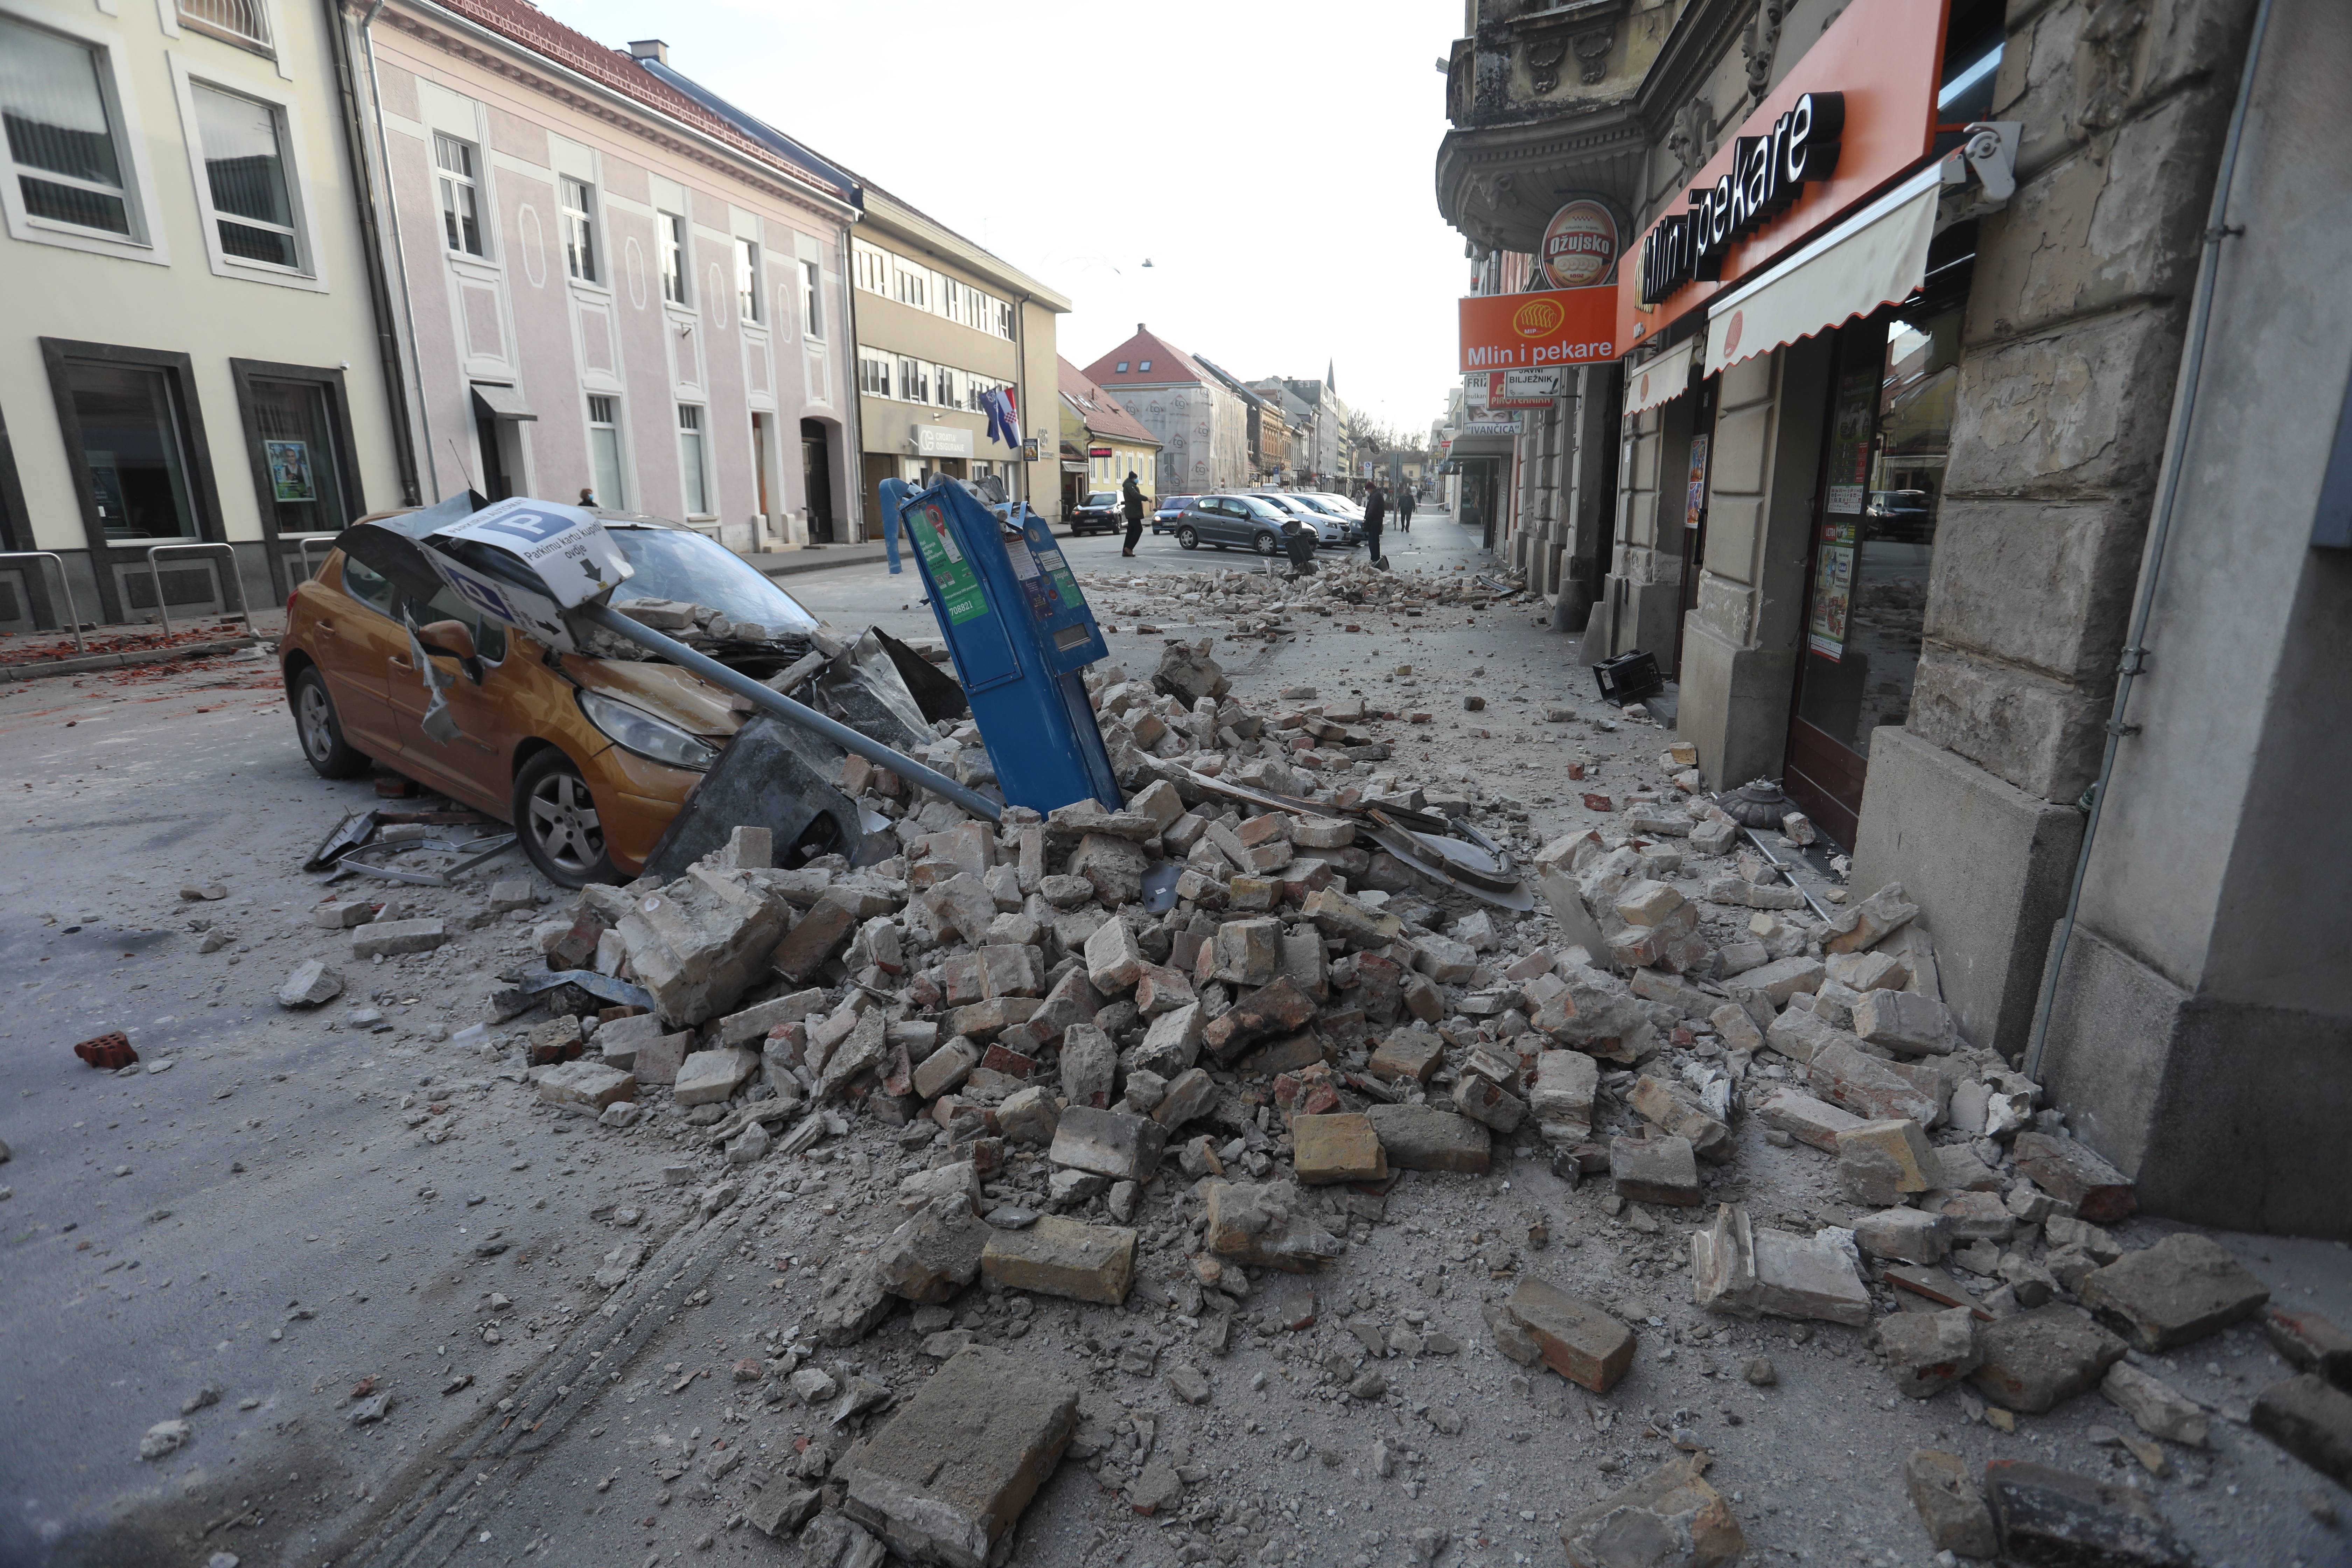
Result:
x=290 y=471
x=1833 y=591
x=1695 y=504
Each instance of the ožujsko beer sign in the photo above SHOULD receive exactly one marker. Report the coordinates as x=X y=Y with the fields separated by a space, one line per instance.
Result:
x=1524 y=331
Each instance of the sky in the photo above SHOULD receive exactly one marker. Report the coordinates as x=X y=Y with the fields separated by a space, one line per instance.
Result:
x=1272 y=159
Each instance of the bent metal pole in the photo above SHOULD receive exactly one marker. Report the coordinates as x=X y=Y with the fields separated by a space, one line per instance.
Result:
x=783 y=707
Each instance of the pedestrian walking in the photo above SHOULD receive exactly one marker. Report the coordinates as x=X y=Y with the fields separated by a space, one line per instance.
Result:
x=1376 y=511
x=1131 y=499
x=1405 y=508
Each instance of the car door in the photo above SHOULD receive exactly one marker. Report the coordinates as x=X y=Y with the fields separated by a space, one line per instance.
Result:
x=472 y=765
x=356 y=640
x=1233 y=522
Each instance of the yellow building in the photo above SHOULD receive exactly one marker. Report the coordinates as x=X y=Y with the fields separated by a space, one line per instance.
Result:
x=1102 y=442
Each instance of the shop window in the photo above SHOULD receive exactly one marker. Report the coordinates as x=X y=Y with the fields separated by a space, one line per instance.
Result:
x=133 y=433
x=63 y=132
x=243 y=141
x=294 y=426
x=461 y=197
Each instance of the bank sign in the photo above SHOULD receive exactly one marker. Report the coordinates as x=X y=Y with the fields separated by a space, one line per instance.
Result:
x=1539 y=331
x=1856 y=112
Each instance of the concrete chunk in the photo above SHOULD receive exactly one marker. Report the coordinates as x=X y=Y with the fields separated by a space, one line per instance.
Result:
x=2038 y=1358
x=2184 y=1288
x=1927 y=1352
x=1423 y=1138
x=1880 y=1162
x=1655 y=1170
x=2068 y=1169
x=1575 y=1338
x=1944 y=1489
x=1266 y=1224
x=2312 y=1419
x=1810 y=1277
x=2154 y=1406
x=585 y=1083
x=1109 y=1143
x=1905 y=1023
x=1114 y=960
x=1668 y=1518
x=698 y=942
x=1338 y=1148
x=947 y=1478
x=389 y=938
x=706 y=1077
x=1063 y=1258
x=1805 y=1118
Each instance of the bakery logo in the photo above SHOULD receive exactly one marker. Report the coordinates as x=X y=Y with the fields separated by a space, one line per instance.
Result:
x=1767 y=174
x=1538 y=319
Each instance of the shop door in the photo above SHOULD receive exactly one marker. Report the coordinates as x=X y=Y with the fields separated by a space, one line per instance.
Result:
x=1694 y=500
x=1882 y=490
x=816 y=480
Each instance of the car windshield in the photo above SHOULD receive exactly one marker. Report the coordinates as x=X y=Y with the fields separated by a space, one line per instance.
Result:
x=1177 y=503
x=1286 y=504
x=679 y=563
x=1103 y=498
x=1261 y=507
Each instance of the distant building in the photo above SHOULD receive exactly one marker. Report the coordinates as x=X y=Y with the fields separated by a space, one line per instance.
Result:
x=1102 y=443
x=1198 y=414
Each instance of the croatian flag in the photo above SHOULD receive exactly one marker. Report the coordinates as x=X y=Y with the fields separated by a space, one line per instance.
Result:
x=1004 y=417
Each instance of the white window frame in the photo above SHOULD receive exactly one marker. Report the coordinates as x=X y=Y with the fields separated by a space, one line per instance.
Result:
x=909 y=368
x=813 y=301
x=749 y=310
x=618 y=425
x=870 y=267
x=477 y=181
x=881 y=363
x=144 y=242
x=700 y=430
x=173 y=17
x=673 y=235
x=910 y=284
x=589 y=215
x=308 y=272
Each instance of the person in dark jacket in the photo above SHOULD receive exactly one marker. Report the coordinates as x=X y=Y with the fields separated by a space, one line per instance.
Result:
x=1405 y=508
x=1376 y=512
x=1131 y=499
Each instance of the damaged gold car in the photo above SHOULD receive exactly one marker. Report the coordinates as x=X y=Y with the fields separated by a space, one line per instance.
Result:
x=589 y=754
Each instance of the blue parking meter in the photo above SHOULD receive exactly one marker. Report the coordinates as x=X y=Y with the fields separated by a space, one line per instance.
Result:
x=1021 y=634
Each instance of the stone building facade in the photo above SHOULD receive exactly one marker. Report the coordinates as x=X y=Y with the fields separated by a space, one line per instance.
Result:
x=1202 y=423
x=1896 y=552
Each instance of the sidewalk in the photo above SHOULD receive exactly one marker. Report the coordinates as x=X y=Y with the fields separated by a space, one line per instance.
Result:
x=821 y=558
x=29 y=654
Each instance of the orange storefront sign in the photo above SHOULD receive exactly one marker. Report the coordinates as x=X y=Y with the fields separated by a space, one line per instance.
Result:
x=1524 y=331
x=1882 y=57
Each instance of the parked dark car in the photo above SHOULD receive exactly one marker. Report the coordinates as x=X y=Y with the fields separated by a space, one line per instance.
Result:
x=1331 y=530
x=1163 y=519
x=1098 y=513
x=1900 y=514
x=1220 y=521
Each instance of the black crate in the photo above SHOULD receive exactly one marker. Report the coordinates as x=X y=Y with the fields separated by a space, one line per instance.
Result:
x=1629 y=677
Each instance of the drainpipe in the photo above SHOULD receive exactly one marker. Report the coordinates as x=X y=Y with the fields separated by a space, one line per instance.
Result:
x=387 y=342
x=2184 y=412
x=1021 y=367
x=429 y=473
x=853 y=483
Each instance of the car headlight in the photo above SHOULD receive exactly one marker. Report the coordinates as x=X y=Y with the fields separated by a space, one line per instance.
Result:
x=634 y=729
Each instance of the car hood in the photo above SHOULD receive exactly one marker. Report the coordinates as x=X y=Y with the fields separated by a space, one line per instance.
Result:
x=664 y=690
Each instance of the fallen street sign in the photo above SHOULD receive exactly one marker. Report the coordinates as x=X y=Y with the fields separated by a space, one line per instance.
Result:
x=1528 y=331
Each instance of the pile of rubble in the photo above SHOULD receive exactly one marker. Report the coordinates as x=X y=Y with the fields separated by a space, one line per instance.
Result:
x=1186 y=1047
x=1271 y=602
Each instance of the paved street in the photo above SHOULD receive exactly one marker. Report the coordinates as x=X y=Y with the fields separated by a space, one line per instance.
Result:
x=254 y=1213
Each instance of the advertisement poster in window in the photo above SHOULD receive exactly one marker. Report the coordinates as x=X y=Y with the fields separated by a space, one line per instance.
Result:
x=290 y=471
x=1695 y=504
x=1833 y=591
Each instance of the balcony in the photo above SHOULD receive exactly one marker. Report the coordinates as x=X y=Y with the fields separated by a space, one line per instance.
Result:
x=244 y=23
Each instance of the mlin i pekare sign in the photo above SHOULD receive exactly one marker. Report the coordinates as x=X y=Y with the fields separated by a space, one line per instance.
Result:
x=1541 y=331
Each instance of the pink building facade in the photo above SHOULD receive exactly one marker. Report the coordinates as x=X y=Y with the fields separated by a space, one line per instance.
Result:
x=608 y=288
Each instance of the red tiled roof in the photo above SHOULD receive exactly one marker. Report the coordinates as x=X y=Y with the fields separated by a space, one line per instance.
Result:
x=1101 y=411
x=535 y=30
x=1168 y=363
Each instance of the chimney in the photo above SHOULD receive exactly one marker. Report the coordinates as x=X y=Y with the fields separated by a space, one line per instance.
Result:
x=648 y=49
x=1138 y=326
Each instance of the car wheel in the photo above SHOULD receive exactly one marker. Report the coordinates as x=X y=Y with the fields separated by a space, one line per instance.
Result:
x=1188 y=538
x=557 y=819
x=1266 y=543
x=321 y=733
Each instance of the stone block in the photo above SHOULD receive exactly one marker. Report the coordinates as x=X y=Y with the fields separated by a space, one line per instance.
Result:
x=1113 y=959
x=1943 y=1487
x=1277 y=1008
x=1873 y=1088
x=1655 y=1170
x=1114 y=865
x=986 y=1020
x=1089 y=1066
x=1783 y=978
x=1904 y=1023
x=1575 y=1338
x=2045 y=1516
x=390 y=939
x=2070 y=1172
x=1723 y=1264
x=312 y=984
x=1423 y=1138
x=1565 y=1085
x=1865 y=924
x=1657 y=1104
x=1483 y=1099
x=1247 y=952
x=1669 y=1518
x=708 y=1078
x=1170 y=1043
x=2175 y=1293
x=1805 y=1118
x=1337 y=1148
x=1267 y=1223
x=657 y=1060
x=1905 y=1234
x=1189 y=1095
x=2312 y=1419
x=1810 y=1277
x=934 y=1254
x=816 y=936
x=2038 y=1358
x=866 y=1050
x=1287 y=1054
x=1109 y=1143
x=1408 y=1055
x=2310 y=1344
x=590 y=1084
x=1063 y=1256
x=1927 y=1352
x=947 y=1067
x=2154 y=1406
x=947 y=1478
x=1881 y=1161
x=1029 y=1115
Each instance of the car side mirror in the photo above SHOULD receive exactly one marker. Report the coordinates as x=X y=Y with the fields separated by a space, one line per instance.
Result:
x=452 y=639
